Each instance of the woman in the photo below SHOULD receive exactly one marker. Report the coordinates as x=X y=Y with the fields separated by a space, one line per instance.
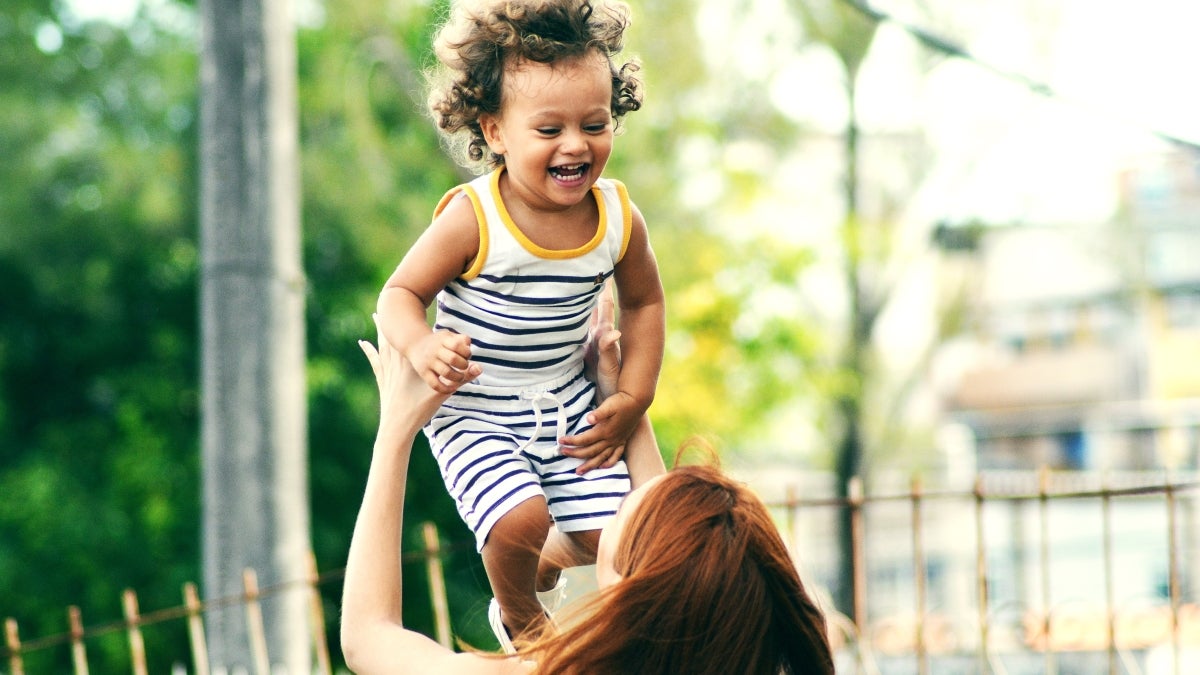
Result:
x=694 y=578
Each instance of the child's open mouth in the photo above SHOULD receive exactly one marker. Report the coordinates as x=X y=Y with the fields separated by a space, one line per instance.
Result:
x=569 y=173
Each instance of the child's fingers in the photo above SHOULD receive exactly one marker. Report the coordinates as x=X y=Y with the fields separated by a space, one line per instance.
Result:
x=457 y=375
x=602 y=413
x=606 y=457
x=453 y=357
x=451 y=362
x=456 y=343
x=447 y=380
x=614 y=457
x=578 y=444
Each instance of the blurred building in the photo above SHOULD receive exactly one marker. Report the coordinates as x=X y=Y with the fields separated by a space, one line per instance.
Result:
x=1083 y=357
x=1086 y=350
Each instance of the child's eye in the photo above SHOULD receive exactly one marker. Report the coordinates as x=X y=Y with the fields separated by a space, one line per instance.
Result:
x=547 y=131
x=596 y=128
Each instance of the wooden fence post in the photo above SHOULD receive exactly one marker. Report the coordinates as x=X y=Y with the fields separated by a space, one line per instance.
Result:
x=254 y=623
x=1051 y=665
x=137 y=646
x=858 y=555
x=437 y=584
x=1173 y=575
x=78 y=653
x=1106 y=543
x=919 y=575
x=317 y=617
x=13 y=641
x=195 y=621
x=981 y=577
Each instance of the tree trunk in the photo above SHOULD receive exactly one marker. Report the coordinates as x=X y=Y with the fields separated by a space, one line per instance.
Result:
x=254 y=416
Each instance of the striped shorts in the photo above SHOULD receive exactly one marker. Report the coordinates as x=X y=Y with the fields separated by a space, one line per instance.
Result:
x=498 y=446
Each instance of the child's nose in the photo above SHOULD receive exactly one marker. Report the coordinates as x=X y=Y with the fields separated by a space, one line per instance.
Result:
x=574 y=142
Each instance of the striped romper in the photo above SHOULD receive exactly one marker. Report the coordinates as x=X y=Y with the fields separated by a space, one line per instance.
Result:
x=526 y=310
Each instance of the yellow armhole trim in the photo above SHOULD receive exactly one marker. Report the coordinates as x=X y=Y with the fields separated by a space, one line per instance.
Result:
x=476 y=265
x=626 y=217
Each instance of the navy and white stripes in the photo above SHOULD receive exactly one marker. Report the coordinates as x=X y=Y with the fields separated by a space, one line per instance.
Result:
x=526 y=310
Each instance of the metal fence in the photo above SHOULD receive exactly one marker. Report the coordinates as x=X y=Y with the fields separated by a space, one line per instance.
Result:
x=1021 y=573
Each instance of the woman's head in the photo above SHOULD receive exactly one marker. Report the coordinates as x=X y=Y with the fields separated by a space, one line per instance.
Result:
x=701 y=583
x=484 y=39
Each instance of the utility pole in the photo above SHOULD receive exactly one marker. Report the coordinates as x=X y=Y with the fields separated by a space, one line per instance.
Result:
x=254 y=415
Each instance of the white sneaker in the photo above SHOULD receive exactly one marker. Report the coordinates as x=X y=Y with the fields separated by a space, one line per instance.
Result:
x=499 y=629
x=552 y=599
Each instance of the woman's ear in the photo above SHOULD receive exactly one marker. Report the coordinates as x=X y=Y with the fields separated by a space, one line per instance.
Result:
x=490 y=126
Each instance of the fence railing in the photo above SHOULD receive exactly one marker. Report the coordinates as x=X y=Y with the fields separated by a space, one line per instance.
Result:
x=950 y=566
x=1040 y=626
x=193 y=611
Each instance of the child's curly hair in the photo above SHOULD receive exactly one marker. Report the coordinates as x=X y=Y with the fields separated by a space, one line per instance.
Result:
x=482 y=37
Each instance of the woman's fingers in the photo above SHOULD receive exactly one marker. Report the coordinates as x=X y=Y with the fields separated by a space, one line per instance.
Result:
x=606 y=308
x=372 y=355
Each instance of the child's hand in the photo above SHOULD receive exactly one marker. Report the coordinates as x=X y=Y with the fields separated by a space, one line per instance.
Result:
x=403 y=397
x=443 y=360
x=612 y=425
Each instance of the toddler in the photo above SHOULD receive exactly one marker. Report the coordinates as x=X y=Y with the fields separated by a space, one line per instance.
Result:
x=516 y=261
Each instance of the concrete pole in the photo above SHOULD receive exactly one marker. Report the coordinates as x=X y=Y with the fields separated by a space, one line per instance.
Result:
x=254 y=417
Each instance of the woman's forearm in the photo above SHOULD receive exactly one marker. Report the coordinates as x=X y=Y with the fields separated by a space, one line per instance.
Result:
x=642 y=456
x=371 y=596
x=373 y=637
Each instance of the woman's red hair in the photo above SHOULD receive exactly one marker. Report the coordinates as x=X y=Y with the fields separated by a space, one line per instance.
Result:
x=708 y=587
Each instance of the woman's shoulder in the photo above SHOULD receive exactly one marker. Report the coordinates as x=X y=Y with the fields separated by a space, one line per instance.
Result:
x=469 y=663
x=416 y=654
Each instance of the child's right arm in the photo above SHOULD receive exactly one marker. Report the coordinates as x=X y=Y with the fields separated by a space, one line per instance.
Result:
x=444 y=251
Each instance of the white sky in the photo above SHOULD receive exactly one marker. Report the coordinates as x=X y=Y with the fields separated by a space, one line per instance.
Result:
x=1006 y=153
x=1120 y=67
x=1000 y=153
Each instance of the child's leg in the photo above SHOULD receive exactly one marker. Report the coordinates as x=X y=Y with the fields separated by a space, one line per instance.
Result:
x=563 y=550
x=572 y=549
x=510 y=557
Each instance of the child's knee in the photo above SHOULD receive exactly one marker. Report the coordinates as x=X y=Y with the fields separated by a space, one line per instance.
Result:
x=586 y=540
x=525 y=525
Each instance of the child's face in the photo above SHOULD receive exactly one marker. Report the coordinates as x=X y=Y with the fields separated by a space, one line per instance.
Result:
x=554 y=129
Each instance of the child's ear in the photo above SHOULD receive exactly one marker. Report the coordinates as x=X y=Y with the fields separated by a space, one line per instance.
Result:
x=490 y=126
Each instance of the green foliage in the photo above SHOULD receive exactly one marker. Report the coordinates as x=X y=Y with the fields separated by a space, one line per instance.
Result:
x=737 y=347
x=98 y=456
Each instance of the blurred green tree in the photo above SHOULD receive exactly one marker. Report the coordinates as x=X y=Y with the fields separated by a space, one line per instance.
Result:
x=730 y=365
x=864 y=402
x=97 y=337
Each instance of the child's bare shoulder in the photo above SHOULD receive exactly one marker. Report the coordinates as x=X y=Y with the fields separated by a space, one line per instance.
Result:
x=457 y=215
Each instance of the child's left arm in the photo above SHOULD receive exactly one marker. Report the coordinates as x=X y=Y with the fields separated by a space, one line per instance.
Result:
x=642 y=323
